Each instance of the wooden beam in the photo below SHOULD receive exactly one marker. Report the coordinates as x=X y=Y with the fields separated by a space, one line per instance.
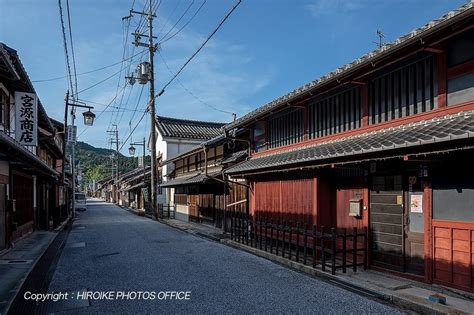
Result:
x=365 y=105
x=442 y=80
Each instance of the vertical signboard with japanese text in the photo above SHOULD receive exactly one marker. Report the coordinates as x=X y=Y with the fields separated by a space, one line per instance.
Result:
x=26 y=118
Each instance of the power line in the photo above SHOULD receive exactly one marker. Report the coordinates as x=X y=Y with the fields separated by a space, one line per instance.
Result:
x=184 y=65
x=72 y=47
x=182 y=15
x=200 y=48
x=172 y=12
x=90 y=71
x=68 y=66
x=186 y=24
x=103 y=111
x=97 y=83
x=191 y=93
x=136 y=106
x=136 y=125
x=113 y=107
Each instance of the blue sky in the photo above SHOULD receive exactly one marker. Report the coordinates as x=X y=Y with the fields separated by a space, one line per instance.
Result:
x=266 y=49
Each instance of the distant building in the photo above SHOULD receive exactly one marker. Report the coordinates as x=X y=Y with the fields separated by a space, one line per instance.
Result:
x=175 y=136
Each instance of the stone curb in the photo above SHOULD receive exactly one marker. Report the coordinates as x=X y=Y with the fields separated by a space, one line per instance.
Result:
x=410 y=303
x=58 y=229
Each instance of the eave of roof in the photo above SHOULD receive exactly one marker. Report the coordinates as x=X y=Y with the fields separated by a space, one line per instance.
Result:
x=193 y=179
x=13 y=144
x=209 y=143
x=371 y=57
x=437 y=130
x=187 y=129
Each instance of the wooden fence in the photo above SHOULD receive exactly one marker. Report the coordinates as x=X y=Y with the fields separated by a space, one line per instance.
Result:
x=325 y=248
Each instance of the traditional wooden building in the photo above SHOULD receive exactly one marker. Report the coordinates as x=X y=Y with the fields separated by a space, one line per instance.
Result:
x=384 y=142
x=31 y=184
x=199 y=189
x=135 y=187
x=175 y=136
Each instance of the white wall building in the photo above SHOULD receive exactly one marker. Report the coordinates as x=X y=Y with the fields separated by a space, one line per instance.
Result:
x=175 y=136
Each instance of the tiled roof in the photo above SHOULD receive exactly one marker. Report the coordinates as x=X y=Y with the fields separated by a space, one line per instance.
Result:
x=234 y=157
x=188 y=129
x=386 y=49
x=196 y=178
x=437 y=130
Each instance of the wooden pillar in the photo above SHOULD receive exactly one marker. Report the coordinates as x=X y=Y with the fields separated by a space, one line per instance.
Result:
x=315 y=209
x=365 y=104
x=428 y=237
x=442 y=79
x=252 y=192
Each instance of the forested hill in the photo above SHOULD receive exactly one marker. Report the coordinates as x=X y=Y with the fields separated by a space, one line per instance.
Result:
x=96 y=163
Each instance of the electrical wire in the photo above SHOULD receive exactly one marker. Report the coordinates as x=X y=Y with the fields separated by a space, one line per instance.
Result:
x=186 y=24
x=199 y=49
x=184 y=65
x=72 y=48
x=136 y=106
x=97 y=83
x=172 y=12
x=90 y=71
x=133 y=130
x=191 y=93
x=68 y=66
x=182 y=16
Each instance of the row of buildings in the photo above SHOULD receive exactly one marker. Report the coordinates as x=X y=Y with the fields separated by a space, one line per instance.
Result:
x=34 y=186
x=384 y=142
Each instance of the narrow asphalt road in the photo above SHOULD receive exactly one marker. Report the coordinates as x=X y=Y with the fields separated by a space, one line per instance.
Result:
x=110 y=249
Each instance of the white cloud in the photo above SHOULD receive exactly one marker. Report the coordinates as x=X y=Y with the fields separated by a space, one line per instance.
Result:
x=325 y=7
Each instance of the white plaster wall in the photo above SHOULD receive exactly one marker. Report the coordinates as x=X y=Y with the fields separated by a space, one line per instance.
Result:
x=182 y=212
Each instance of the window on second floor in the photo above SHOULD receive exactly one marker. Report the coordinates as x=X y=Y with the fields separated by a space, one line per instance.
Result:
x=335 y=113
x=405 y=91
x=287 y=128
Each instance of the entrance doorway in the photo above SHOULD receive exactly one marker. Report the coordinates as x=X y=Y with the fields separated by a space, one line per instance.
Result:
x=396 y=221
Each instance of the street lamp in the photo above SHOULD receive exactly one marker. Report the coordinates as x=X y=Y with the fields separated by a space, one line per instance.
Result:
x=88 y=118
x=88 y=121
x=131 y=150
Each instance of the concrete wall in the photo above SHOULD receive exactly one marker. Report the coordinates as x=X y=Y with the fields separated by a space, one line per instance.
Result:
x=182 y=213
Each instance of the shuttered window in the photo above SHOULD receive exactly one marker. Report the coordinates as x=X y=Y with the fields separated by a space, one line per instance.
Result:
x=335 y=113
x=286 y=129
x=406 y=91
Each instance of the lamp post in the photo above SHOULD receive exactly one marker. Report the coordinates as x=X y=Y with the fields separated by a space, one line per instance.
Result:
x=88 y=121
x=132 y=150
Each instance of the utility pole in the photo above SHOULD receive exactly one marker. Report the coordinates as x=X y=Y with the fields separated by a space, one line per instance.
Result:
x=115 y=140
x=151 y=79
x=151 y=48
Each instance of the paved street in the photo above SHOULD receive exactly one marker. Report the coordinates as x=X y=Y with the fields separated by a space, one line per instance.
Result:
x=112 y=249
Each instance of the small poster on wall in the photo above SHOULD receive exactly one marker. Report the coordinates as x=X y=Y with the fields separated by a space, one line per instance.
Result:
x=416 y=202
